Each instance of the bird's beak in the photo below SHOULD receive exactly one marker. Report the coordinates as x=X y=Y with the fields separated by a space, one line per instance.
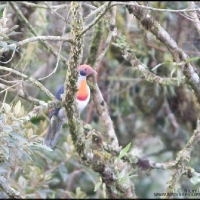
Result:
x=93 y=72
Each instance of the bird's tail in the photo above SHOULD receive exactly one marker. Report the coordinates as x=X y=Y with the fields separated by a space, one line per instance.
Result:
x=53 y=131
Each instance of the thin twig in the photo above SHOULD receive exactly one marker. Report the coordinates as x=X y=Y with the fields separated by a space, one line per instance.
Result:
x=98 y=10
x=58 y=58
x=106 y=7
x=31 y=79
x=30 y=27
x=56 y=12
x=33 y=5
x=179 y=56
x=35 y=39
x=20 y=94
x=115 y=3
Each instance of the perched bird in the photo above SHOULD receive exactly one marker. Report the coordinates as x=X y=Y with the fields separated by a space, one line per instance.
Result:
x=57 y=116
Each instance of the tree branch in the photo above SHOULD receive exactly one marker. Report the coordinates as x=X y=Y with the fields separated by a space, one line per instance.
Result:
x=182 y=160
x=34 y=39
x=106 y=5
x=194 y=16
x=31 y=79
x=150 y=24
x=30 y=27
x=9 y=191
x=76 y=50
x=87 y=141
x=21 y=94
x=137 y=65
x=115 y=3
x=33 y=5
x=99 y=103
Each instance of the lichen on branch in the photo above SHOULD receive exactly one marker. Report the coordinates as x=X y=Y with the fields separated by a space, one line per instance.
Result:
x=76 y=49
x=87 y=141
x=179 y=56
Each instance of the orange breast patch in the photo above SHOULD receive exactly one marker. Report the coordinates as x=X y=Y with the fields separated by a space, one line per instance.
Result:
x=82 y=93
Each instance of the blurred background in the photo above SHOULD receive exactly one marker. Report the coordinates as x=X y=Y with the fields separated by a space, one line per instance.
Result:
x=156 y=119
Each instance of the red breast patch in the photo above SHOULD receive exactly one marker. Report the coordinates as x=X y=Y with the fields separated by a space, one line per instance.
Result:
x=82 y=93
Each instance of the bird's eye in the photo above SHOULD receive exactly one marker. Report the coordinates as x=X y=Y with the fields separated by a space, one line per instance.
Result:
x=85 y=69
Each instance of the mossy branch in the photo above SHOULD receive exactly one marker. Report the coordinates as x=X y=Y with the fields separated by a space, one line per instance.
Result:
x=129 y=55
x=31 y=79
x=41 y=105
x=99 y=103
x=76 y=49
x=87 y=141
x=13 y=194
x=179 y=56
x=35 y=39
x=182 y=160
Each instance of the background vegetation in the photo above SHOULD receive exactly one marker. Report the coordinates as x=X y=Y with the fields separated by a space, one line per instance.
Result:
x=152 y=98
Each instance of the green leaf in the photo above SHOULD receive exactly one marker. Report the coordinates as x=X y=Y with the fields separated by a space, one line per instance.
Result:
x=3 y=118
x=4 y=45
x=7 y=128
x=71 y=194
x=122 y=173
x=53 y=182
x=179 y=77
x=172 y=72
x=6 y=107
x=13 y=48
x=26 y=154
x=18 y=137
x=6 y=155
x=134 y=175
x=17 y=107
x=29 y=133
x=22 y=181
x=6 y=149
x=80 y=194
x=192 y=59
x=2 y=169
x=63 y=172
x=2 y=6
x=4 y=12
x=97 y=186
x=53 y=195
x=104 y=190
x=157 y=66
x=42 y=146
x=42 y=194
x=196 y=177
x=13 y=41
x=16 y=126
x=124 y=151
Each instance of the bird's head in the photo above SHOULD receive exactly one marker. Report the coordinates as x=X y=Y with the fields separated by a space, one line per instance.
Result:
x=86 y=70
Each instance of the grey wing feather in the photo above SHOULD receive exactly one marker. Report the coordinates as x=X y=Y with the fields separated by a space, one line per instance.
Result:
x=53 y=131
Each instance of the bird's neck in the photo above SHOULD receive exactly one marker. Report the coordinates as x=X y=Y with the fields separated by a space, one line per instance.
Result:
x=83 y=92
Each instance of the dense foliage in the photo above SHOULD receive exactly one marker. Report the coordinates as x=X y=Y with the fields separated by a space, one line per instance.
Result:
x=157 y=119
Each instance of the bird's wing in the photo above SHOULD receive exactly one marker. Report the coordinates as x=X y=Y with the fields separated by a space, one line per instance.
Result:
x=53 y=131
x=59 y=93
x=59 y=97
x=53 y=112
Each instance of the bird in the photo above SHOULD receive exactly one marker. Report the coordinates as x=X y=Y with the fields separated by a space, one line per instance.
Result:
x=57 y=115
